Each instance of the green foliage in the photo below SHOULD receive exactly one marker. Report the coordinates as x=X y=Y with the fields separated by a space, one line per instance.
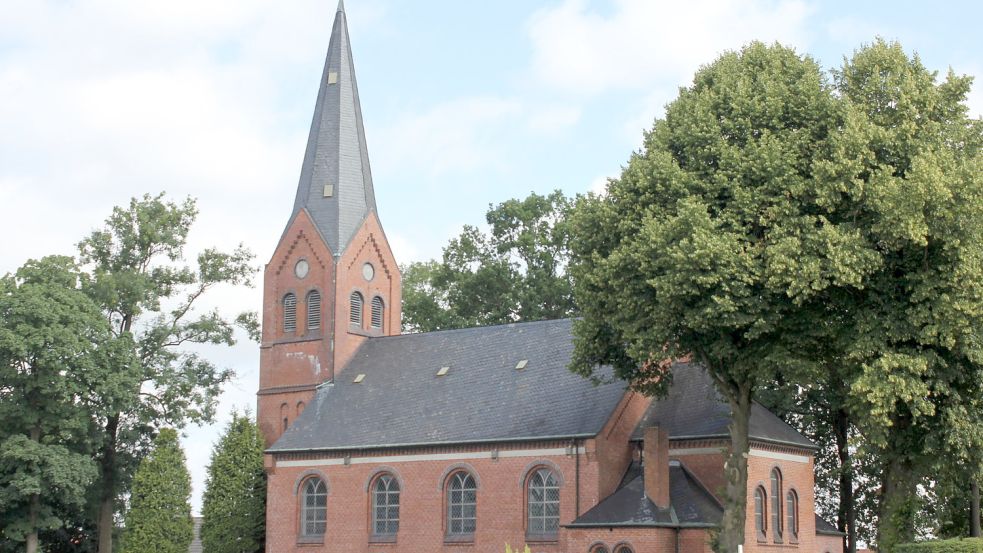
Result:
x=150 y=297
x=515 y=272
x=967 y=545
x=50 y=335
x=159 y=519
x=715 y=241
x=234 y=503
x=508 y=549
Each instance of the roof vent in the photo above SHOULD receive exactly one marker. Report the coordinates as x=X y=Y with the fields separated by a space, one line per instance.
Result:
x=443 y=371
x=359 y=379
x=332 y=77
x=521 y=364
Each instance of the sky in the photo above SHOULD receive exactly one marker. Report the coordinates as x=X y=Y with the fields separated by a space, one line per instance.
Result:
x=465 y=104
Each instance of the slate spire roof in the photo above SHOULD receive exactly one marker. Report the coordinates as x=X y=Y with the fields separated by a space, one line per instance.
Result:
x=335 y=179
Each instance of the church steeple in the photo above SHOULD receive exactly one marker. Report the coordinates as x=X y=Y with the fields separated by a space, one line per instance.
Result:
x=335 y=180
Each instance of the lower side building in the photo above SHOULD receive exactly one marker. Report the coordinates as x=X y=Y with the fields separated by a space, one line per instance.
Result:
x=468 y=440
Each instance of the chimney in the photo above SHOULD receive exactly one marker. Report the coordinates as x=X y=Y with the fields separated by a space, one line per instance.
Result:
x=655 y=463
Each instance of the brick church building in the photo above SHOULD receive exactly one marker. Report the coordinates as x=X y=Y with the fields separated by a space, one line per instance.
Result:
x=467 y=440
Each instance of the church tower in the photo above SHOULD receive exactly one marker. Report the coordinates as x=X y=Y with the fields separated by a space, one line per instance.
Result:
x=332 y=282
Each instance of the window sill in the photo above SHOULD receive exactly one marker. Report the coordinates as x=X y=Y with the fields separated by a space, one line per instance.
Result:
x=542 y=538
x=382 y=540
x=464 y=539
x=310 y=540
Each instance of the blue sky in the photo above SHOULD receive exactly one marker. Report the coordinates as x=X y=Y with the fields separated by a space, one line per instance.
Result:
x=465 y=104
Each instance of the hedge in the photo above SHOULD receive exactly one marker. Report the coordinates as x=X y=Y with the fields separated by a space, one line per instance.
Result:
x=960 y=545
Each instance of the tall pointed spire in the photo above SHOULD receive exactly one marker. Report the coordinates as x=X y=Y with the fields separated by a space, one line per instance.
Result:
x=335 y=180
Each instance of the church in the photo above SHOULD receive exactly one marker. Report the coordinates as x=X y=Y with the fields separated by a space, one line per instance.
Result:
x=468 y=440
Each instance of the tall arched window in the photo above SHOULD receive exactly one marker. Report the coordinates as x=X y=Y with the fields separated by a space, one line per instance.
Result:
x=623 y=548
x=355 y=316
x=284 y=414
x=543 y=503
x=462 y=501
x=760 y=520
x=313 y=508
x=385 y=506
x=290 y=312
x=792 y=514
x=600 y=548
x=776 y=503
x=313 y=310
x=377 y=311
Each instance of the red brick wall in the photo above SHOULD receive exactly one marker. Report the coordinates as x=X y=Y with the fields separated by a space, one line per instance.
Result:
x=612 y=448
x=796 y=475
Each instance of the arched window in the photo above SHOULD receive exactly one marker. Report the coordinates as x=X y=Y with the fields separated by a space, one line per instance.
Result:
x=313 y=508
x=776 y=503
x=600 y=548
x=760 y=520
x=462 y=500
x=313 y=310
x=284 y=413
x=623 y=548
x=377 y=310
x=355 y=317
x=792 y=514
x=290 y=313
x=385 y=506
x=543 y=503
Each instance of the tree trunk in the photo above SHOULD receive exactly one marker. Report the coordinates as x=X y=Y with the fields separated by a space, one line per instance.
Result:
x=34 y=507
x=974 y=511
x=107 y=484
x=846 y=516
x=735 y=493
x=896 y=521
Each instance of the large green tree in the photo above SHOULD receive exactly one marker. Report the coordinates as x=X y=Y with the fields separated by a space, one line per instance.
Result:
x=516 y=271
x=716 y=241
x=916 y=320
x=234 y=503
x=159 y=519
x=150 y=296
x=50 y=335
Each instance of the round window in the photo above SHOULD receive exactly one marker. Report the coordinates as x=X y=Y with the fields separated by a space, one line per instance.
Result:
x=302 y=268
x=368 y=271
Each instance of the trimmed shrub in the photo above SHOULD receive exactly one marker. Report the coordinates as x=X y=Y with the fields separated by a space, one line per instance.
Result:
x=960 y=545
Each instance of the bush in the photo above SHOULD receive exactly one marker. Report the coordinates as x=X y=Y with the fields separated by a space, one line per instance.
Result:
x=961 y=545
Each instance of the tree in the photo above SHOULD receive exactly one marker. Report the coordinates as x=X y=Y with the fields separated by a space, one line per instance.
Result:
x=515 y=272
x=159 y=519
x=917 y=319
x=234 y=503
x=50 y=333
x=149 y=296
x=716 y=242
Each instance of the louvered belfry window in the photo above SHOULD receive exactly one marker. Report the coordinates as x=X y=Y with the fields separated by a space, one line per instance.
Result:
x=355 y=317
x=290 y=313
x=543 y=504
x=313 y=507
x=377 y=312
x=313 y=310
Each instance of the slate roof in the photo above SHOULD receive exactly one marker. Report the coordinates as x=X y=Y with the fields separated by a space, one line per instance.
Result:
x=690 y=504
x=823 y=527
x=337 y=154
x=483 y=398
x=693 y=408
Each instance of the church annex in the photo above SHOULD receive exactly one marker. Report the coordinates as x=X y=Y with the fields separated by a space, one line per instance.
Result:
x=468 y=440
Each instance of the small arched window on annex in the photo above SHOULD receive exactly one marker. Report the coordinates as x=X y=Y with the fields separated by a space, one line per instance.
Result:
x=290 y=313
x=760 y=513
x=284 y=415
x=300 y=407
x=384 y=494
x=378 y=309
x=461 y=497
x=776 y=504
x=597 y=548
x=792 y=515
x=542 y=484
x=313 y=498
x=313 y=310
x=623 y=548
x=355 y=309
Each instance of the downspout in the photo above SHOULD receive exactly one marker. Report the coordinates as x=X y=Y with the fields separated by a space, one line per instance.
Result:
x=677 y=539
x=576 y=453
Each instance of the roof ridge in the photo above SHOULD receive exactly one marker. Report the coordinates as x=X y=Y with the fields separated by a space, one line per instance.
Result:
x=472 y=328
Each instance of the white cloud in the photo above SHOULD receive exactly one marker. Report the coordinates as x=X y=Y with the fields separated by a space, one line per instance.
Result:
x=581 y=51
x=458 y=135
x=553 y=119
